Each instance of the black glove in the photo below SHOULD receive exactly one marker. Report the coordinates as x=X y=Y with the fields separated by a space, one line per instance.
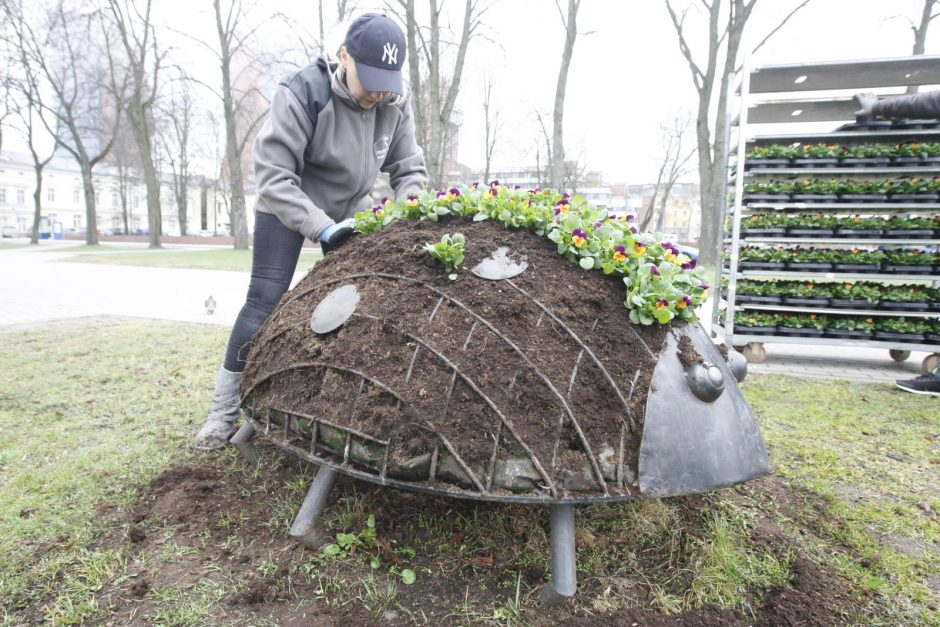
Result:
x=336 y=234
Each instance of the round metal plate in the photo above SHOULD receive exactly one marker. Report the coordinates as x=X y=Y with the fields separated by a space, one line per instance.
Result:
x=499 y=265
x=335 y=309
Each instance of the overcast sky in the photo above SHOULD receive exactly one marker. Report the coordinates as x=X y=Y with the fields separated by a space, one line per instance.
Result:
x=627 y=74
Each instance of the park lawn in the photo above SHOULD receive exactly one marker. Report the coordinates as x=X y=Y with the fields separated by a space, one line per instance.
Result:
x=854 y=484
x=12 y=245
x=203 y=259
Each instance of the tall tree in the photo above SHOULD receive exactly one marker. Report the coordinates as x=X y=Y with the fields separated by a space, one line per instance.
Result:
x=570 y=21
x=920 y=32
x=434 y=84
x=125 y=158
x=676 y=157
x=29 y=114
x=179 y=112
x=233 y=39
x=142 y=59
x=491 y=126
x=63 y=48
x=725 y=28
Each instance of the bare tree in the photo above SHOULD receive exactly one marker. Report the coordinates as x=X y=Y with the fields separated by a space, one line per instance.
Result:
x=179 y=112
x=125 y=158
x=28 y=113
x=241 y=121
x=62 y=50
x=920 y=32
x=548 y=151
x=434 y=87
x=143 y=60
x=725 y=27
x=558 y=148
x=676 y=158
x=491 y=125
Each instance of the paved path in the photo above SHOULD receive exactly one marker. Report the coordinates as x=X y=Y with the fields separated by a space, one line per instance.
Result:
x=37 y=284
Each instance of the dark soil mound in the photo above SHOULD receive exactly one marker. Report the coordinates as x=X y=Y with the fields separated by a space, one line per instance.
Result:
x=465 y=376
x=212 y=524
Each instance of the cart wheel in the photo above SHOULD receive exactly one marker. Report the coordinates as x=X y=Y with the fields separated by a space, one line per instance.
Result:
x=899 y=355
x=930 y=363
x=755 y=353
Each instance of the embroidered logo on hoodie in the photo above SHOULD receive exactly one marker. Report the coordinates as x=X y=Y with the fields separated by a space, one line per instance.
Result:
x=381 y=146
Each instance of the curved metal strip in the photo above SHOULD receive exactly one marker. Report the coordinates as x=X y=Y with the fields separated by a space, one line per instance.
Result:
x=585 y=348
x=414 y=487
x=492 y=405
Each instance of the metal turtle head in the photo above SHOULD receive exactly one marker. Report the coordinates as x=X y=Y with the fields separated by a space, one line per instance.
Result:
x=338 y=306
x=500 y=265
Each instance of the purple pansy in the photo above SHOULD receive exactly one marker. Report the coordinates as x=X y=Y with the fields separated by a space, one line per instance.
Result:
x=654 y=271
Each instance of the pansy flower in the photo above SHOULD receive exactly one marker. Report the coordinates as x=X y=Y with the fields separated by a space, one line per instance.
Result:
x=620 y=253
x=378 y=211
x=441 y=193
x=661 y=303
x=561 y=206
x=412 y=200
x=684 y=302
x=578 y=237
x=633 y=230
x=639 y=248
x=654 y=271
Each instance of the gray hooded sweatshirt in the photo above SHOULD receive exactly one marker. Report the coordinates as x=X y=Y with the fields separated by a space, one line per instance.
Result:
x=319 y=152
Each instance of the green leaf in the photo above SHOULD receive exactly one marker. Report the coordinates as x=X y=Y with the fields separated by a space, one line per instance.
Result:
x=408 y=576
x=331 y=549
x=480 y=217
x=452 y=277
x=370 y=523
x=586 y=262
x=375 y=563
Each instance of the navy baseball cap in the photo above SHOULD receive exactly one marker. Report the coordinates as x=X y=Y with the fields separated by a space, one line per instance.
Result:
x=377 y=45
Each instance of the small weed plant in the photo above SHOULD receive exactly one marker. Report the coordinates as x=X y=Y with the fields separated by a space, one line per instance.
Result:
x=348 y=544
x=449 y=251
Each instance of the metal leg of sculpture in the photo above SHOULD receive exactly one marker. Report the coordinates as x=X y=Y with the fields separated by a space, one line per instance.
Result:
x=564 y=574
x=305 y=528
x=242 y=441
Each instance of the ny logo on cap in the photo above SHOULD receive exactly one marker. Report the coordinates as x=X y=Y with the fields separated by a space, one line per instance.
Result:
x=390 y=53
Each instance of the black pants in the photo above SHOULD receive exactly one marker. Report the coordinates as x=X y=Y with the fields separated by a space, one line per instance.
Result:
x=275 y=252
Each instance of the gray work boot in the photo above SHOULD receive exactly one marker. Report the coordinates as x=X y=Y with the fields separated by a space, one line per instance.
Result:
x=223 y=412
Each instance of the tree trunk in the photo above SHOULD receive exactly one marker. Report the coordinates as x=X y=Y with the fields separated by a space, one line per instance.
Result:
x=138 y=119
x=91 y=230
x=37 y=207
x=182 y=204
x=238 y=218
x=558 y=148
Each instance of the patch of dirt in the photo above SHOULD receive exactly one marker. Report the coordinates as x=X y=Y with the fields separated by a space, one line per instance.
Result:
x=462 y=365
x=210 y=523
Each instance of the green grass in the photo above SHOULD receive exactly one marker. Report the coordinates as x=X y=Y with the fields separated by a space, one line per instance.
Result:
x=86 y=419
x=90 y=418
x=12 y=245
x=870 y=452
x=211 y=259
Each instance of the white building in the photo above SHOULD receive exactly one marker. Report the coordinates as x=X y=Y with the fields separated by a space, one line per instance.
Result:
x=63 y=201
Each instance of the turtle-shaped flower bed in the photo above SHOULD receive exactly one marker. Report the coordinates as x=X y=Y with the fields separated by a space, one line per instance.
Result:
x=527 y=383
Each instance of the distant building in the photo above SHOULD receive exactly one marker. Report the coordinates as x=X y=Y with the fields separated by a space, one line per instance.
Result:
x=683 y=209
x=63 y=200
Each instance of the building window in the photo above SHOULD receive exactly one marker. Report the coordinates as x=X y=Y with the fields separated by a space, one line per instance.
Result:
x=20 y=197
x=77 y=220
x=3 y=195
x=114 y=200
x=50 y=194
x=75 y=196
